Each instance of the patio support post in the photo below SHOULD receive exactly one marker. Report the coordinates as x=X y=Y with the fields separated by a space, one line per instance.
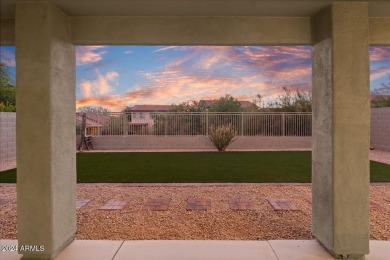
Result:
x=341 y=124
x=46 y=152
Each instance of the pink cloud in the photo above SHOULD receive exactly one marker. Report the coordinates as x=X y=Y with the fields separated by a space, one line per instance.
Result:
x=216 y=55
x=101 y=86
x=173 y=88
x=166 y=48
x=379 y=53
x=209 y=72
x=89 y=54
x=290 y=75
x=206 y=71
x=269 y=56
x=114 y=102
x=379 y=72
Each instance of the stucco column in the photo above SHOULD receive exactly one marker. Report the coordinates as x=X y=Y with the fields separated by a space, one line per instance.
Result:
x=341 y=121
x=46 y=174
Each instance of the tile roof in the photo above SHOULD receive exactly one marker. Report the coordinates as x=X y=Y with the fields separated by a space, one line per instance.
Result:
x=150 y=108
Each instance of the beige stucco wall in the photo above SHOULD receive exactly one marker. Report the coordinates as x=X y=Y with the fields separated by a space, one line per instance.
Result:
x=341 y=123
x=7 y=31
x=189 y=30
x=45 y=125
x=149 y=142
x=379 y=30
x=165 y=30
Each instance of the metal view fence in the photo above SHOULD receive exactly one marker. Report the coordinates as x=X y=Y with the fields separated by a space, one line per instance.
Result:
x=178 y=123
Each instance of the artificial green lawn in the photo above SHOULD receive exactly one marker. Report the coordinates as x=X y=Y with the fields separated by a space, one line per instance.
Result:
x=199 y=167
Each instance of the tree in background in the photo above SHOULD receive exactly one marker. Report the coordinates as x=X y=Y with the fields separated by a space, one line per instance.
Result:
x=226 y=104
x=258 y=101
x=127 y=109
x=288 y=101
x=7 y=90
x=5 y=78
x=185 y=123
x=380 y=101
x=7 y=107
x=94 y=109
x=384 y=89
x=300 y=101
x=189 y=106
x=381 y=96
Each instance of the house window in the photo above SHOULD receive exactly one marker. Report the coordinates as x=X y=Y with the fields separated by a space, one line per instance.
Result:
x=134 y=115
x=141 y=115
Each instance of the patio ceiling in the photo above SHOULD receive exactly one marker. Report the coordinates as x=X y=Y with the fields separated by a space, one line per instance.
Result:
x=276 y=8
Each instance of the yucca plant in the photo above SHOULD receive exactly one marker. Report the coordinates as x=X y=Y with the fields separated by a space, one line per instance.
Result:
x=222 y=136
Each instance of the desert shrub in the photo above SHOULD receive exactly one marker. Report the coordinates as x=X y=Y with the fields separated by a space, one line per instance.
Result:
x=222 y=136
x=7 y=107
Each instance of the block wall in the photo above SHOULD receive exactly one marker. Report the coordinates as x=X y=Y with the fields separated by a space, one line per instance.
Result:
x=7 y=136
x=380 y=128
x=145 y=142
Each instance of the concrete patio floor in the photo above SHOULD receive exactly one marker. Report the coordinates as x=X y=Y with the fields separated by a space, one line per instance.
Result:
x=199 y=249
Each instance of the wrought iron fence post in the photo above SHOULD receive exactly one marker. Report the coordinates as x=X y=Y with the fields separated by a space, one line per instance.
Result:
x=242 y=123
x=207 y=123
x=184 y=123
x=124 y=124
x=166 y=124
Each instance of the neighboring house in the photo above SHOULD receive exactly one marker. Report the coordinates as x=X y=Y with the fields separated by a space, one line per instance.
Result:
x=141 y=121
x=93 y=124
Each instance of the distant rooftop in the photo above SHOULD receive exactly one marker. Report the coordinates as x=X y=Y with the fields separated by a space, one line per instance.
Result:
x=150 y=108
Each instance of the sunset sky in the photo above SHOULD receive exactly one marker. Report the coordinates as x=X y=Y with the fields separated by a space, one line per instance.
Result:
x=119 y=76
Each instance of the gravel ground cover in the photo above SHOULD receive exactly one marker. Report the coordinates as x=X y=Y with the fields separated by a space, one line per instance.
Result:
x=137 y=223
